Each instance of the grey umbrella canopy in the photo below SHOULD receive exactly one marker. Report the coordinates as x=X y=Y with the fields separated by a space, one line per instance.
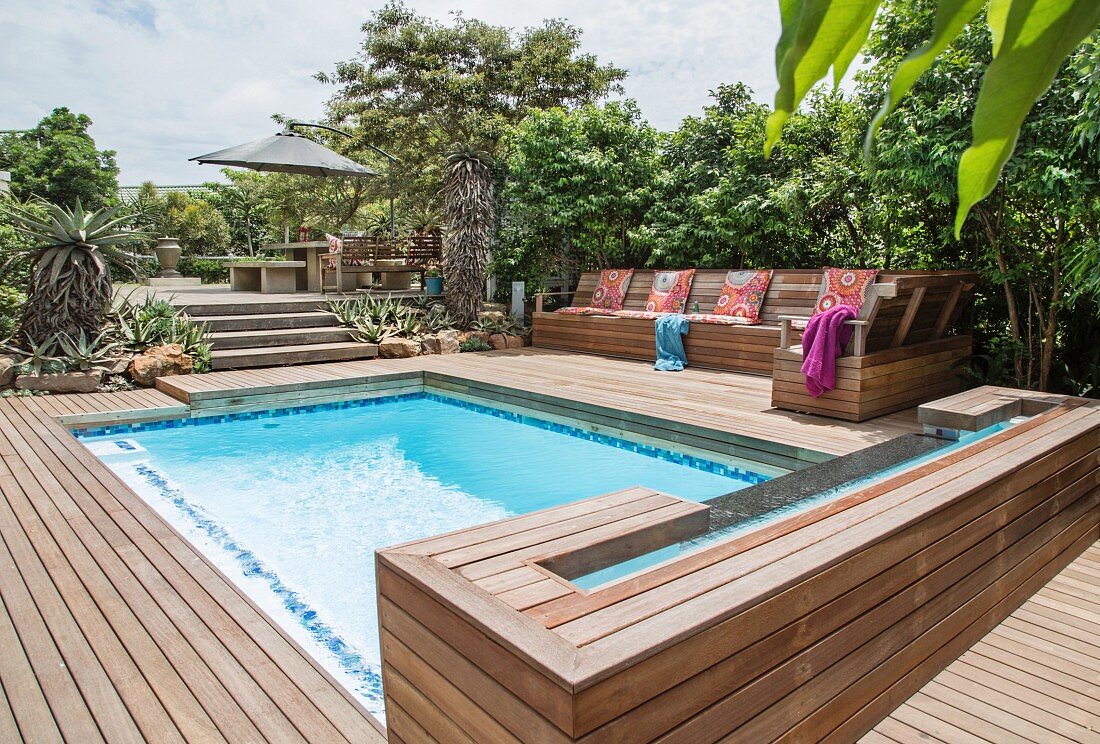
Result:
x=287 y=152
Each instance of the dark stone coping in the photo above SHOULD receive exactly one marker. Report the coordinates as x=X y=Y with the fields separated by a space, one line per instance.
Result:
x=755 y=501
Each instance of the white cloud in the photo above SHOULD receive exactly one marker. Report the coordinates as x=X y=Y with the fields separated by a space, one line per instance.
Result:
x=166 y=80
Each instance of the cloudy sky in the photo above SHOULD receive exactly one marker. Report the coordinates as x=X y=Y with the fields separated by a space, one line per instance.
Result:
x=164 y=80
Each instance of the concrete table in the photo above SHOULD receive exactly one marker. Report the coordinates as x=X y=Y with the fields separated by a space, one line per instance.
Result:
x=266 y=277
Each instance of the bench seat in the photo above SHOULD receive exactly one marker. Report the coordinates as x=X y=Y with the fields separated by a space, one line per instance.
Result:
x=901 y=336
x=266 y=277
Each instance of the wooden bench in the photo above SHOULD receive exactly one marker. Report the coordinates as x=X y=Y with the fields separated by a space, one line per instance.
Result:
x=900 y=353
x=732 y=348
x=267 y=277
x=379 y=255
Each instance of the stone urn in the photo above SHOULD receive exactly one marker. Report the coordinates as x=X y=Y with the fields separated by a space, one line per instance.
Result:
x=168 y=255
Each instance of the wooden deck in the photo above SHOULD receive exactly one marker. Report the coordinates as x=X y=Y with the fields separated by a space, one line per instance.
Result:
x=1033 y=678
x=113 y=627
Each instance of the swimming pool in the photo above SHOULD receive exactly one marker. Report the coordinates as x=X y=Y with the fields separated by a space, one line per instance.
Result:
x=292 y=503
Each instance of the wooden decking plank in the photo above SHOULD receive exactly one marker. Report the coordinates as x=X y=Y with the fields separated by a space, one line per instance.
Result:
x=947 y=723
x=74 y=684
x=159 y=703
x=24 y=698
x=92 y=551
x=278 y=665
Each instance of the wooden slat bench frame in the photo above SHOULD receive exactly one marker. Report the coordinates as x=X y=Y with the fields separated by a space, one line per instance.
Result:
x=418 y=252
x=909 y=311
x=813 y=628
x=900 y=353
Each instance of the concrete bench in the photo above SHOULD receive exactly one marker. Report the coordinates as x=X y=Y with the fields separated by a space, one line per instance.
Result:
x=266 y=277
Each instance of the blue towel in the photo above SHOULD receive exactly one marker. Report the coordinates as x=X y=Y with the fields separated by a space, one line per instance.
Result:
x=670 y=348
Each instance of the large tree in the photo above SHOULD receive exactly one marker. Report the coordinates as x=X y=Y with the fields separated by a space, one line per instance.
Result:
x=58 y=161
x=421 y=90
x=579 y=184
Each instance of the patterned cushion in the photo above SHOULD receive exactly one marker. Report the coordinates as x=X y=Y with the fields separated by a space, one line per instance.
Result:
x=335 y=245
x=844 y=287
x=670 y=291
x=713 y=319
x=611 y=289
x=584 y=311
x=639 y=314
x=743 y=294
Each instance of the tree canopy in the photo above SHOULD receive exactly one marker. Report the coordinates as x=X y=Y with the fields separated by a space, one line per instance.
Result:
x=58 y=161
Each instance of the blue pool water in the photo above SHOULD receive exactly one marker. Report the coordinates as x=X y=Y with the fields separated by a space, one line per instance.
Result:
x=292 y=504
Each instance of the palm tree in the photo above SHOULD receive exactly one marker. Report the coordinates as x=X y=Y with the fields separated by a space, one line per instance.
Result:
x=70 y=283
x=469 y=208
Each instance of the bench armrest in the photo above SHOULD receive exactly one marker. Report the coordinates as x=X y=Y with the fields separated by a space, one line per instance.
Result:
x=859 y=337
x=540 y=295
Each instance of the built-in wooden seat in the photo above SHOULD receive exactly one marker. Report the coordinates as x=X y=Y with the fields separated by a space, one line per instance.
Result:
x=901 y=354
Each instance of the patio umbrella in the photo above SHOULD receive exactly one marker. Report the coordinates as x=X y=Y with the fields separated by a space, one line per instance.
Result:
x=286 y=152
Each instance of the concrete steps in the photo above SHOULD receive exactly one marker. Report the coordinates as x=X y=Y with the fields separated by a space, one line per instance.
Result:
x=265 y=321
x=277 y=337
x=274 y=334
x=277 y=356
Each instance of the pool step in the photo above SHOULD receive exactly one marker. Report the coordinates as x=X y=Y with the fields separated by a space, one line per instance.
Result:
x=277 y=337
x=263 y=322
x=277 y=356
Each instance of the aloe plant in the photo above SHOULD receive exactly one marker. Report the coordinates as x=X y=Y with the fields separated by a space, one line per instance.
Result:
x=37 y=358
x=86 y=353
x=368 y=331
x=70 y=285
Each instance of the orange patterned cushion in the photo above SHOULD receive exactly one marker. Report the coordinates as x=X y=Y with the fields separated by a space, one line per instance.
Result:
x=844 y=287
x=611 y=290
x=743 y=294
x=712 y=319
x=584 y=311
x=670 y=291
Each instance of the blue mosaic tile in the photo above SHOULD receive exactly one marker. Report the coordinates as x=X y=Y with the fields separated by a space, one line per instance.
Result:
x=367 y=677
x=647 y=450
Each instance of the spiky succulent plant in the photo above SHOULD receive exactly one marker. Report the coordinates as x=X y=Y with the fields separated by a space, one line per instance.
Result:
x=70 y=283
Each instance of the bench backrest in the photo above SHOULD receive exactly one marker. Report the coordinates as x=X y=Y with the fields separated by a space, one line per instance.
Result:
x=926 y=305
x=419 y=249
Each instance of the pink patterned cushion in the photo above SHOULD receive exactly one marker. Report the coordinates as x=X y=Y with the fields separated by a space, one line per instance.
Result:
x=638 y=314
x=611 y=289
x=743 y=295
x=584 y=311
x=844 y=287
x=670 y=291
x=715 y=319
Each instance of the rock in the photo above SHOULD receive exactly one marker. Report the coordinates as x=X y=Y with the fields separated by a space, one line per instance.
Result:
x=498 y=341
x=448 y=342
x=398 y=348
x=491 y=315
x=159 y=361
x=62 y=382
x=118 y=365
x=7 y=370
x=430 y=345
x=514 y=342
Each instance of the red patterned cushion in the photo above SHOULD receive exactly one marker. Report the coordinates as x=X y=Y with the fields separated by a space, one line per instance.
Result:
x=712 y=319
x=844 y=287
x=639 y=314
x=670 y=291
x=584 y=311
x=743 y=294
x=611 y=290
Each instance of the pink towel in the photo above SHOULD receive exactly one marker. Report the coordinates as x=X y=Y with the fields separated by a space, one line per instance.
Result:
x=823 y=341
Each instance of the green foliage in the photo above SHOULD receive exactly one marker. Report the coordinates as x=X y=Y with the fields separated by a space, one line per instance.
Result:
x=58 y=161
x=211 y=271
x=1030 y=41
x=580 y=183
x=420 y=89
x=474 y=344
x=11 y=305
x=148 y=321
x=245 y=203
x=197 y=223
x=84 y=353
x=70 y=283
x=36 y=358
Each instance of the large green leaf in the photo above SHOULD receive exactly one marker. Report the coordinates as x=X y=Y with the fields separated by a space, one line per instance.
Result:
x=951 y=17
x=817 y=35
x=1033 y=39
